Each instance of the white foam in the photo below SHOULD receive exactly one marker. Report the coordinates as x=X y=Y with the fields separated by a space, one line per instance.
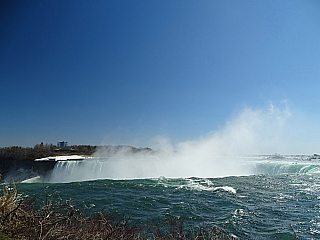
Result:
x=32 y=180
x=227 y=189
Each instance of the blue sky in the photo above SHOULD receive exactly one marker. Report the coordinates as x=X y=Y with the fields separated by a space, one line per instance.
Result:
x=124 y=72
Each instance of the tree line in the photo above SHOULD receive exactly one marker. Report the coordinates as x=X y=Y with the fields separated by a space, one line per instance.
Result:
x=43 y=150
x=17 y=153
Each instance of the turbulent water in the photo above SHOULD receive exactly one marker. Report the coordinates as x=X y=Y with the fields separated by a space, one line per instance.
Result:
x=272 y=197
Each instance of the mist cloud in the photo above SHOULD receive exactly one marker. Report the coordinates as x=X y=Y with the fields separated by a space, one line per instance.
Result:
x=215 y=155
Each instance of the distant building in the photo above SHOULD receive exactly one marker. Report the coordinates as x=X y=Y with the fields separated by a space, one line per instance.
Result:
x=62 y=144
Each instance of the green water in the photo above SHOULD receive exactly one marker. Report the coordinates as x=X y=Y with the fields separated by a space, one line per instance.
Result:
x=260 y=206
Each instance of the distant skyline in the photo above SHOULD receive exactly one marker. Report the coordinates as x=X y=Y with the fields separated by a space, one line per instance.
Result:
x=132 y=72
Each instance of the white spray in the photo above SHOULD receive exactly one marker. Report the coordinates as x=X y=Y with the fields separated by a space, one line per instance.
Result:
x=215 y=155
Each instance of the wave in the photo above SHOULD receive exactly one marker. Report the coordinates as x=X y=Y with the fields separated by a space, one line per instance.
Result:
x=193 y=184
x=284 y=167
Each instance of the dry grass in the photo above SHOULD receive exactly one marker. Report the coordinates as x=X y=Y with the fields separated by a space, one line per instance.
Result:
x=174 y=228
x=19 y=219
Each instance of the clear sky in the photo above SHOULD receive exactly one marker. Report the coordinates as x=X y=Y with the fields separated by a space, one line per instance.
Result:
x=124 y=72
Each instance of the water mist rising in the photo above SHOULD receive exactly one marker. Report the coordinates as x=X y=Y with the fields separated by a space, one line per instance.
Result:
x=215 y=155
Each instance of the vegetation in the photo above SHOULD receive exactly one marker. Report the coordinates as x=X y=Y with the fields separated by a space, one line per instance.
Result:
x=42 y=150
x=45 y=150
x=19 y=219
